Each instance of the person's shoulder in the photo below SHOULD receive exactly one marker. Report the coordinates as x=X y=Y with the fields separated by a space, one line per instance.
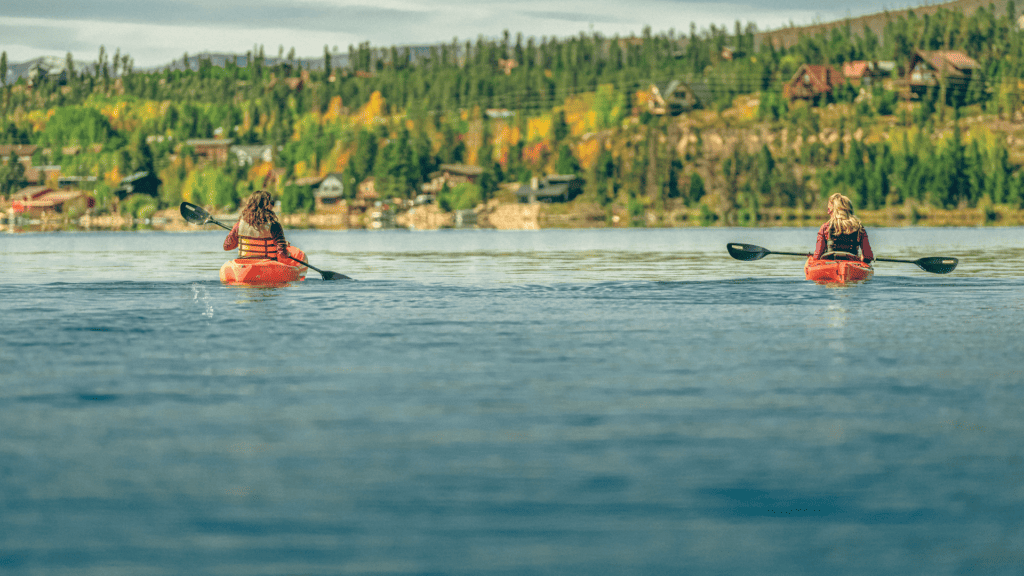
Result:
x=823 y=228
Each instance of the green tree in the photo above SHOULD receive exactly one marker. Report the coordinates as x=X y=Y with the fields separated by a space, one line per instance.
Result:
x=462 y=197
x=12 y=176
x=696 y=189
x=297 y=198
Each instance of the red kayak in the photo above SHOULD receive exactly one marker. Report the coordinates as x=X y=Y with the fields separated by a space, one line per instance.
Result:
x=838 y=271
x=261 y=271
x=257 y=271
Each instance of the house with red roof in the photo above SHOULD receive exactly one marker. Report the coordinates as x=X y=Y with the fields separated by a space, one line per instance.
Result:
x=813 y=80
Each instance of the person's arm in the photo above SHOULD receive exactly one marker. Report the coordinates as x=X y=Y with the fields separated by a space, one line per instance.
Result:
x=822 y=243
x=865 y=247
x=231 y=242
x=277 y=232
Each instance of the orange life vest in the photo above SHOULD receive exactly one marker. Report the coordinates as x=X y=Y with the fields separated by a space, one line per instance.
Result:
x=255 y=242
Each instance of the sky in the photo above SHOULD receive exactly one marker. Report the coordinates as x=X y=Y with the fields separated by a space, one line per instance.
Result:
x=155 y=32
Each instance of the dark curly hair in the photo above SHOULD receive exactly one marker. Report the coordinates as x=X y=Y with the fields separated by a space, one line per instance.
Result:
x=258 y=209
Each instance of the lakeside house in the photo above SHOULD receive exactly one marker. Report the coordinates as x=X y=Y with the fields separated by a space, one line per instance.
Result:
x=551 y=188
x=330 y=193
x=450 y=175
x=37 y=201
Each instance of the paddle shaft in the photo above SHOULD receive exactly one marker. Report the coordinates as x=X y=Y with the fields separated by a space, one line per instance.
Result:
x=899 y=261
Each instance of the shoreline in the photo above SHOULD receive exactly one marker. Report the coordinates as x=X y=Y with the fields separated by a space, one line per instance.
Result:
x=551 y=216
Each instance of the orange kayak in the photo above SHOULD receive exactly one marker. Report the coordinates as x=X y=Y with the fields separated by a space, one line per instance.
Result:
x=837 y=271
x=252 y=271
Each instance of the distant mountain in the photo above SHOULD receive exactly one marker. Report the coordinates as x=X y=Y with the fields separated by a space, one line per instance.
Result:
x=54 y=65
x=221 y=59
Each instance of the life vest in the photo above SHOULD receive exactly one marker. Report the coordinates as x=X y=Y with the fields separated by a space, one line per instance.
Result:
x=255 y=242
x=843 y=242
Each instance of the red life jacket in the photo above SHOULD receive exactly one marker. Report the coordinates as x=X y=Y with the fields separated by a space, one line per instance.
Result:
x=255 y=242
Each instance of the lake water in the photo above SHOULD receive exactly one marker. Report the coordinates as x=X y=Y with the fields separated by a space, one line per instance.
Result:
x=519 y=403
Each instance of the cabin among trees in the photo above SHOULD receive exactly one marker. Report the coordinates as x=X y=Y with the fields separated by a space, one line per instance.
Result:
x=932 y=69
x=330 y=193
x=866 y=73
x=450 y=176
x=249 y=154
x=211 y=149
x=812 y=81
x=676 y=97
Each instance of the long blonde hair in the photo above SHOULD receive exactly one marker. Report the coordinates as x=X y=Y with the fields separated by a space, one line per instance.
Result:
x=258 y=209
x=841 y=219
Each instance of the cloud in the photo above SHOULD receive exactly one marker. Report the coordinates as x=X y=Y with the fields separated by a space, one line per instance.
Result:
x=156 y=32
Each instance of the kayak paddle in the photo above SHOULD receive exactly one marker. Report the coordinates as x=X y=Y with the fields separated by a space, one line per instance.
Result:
x=935 y=264
x=197 y=215
x=749 y=252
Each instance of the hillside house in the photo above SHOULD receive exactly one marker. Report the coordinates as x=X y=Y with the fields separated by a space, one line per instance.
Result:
x=42 y=174
x=249 y=154
x=932 y=68
x=211 y=149
x=24 y=153
x=813 y=80
x=676 y=96
x=866 y=73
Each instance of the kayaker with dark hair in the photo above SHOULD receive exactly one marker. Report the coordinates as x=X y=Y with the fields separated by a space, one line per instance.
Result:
x=258 y=233
x=843 y=232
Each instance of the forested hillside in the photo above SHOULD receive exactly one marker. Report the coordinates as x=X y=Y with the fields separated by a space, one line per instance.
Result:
x=520 y=107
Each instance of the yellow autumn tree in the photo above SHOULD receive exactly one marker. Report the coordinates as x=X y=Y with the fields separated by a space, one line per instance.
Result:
x=587 y=152
x=373 y=109
x=538 y=128
x=334 y=110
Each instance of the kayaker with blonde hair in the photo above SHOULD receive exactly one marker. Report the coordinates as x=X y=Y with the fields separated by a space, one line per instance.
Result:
x=258 y=233
x=843 y=232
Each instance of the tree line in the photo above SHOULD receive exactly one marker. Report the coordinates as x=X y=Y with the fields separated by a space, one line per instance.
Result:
x=521 y=107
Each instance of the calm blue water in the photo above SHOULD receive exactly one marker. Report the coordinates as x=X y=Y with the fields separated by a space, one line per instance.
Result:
x=480 y=402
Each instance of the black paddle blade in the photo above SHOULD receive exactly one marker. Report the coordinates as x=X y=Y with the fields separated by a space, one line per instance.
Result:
x=194 y=214
x=746 y=252
x=328 y=275
x=937 y=264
